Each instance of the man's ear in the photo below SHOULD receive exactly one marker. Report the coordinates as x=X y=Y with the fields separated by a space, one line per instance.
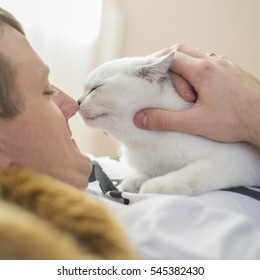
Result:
x=158 y=70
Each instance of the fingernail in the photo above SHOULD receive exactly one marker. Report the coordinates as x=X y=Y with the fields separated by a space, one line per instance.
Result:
x=141 y=120
x=144 y=120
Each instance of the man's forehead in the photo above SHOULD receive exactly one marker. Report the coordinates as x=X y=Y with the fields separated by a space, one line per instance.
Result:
x=13 y=44
x=17 y=48
x=1 y=29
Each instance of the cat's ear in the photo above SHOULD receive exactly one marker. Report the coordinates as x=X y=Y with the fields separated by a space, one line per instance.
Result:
x=157 y=70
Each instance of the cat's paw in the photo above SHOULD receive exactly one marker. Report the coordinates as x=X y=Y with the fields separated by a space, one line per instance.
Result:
x=164 y=186
x=133 y=183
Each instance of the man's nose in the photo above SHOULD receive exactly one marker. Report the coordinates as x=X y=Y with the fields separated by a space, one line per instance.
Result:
x=71 y=107
x=66 y=104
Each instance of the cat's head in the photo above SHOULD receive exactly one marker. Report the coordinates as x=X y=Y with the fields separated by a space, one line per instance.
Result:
x=118 y=89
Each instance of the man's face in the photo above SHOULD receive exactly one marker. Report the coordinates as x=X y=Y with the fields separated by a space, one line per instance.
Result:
x=39 y=138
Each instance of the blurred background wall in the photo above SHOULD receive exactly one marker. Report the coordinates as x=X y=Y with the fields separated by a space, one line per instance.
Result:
x=103 y=30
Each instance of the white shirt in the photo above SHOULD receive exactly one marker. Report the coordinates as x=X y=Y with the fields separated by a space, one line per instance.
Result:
x=215 y=225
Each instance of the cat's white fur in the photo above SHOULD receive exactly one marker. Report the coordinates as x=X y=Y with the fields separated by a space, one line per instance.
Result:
x=165 y=162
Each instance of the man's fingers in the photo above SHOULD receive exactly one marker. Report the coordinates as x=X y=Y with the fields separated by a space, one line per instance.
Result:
x=190 y=68
x=196 y=53
x=164 y=120
x=184 y=89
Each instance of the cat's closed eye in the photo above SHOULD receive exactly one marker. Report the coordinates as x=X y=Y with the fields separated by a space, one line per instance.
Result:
x=94 y=88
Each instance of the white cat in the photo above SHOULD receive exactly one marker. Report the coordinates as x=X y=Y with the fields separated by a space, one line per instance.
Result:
x=165 y=162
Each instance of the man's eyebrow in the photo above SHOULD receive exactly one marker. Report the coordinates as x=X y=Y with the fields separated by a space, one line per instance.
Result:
x=46 y=69
x=43 y=73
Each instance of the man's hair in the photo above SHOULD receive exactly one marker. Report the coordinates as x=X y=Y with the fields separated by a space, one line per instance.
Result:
x=10 y=101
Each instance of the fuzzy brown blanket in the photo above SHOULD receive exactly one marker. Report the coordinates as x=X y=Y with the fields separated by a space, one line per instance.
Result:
x=42 y=218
